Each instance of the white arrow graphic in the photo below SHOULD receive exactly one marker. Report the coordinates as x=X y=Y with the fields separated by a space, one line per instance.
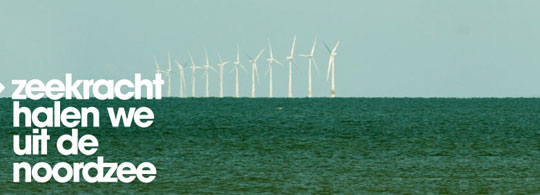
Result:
x=1 y=88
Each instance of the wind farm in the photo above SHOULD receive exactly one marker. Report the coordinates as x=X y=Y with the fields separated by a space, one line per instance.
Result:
x=238 y=67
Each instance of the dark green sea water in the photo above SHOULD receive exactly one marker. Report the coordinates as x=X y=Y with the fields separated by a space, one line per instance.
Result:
x=323 y=146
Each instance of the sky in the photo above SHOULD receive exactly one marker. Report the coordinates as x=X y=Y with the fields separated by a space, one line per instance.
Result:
x=389 y=48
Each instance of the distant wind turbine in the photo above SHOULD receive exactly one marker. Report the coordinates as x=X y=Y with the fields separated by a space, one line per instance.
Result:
x=221 y=65
x=310 y=61
x=158 y=71
x=206 y=67
x=168 y=74
x=254 y=72
x=193 y=68
x=237 y=65
x=271 y=60
x=182 y=79
x=331 y=67
x=290 y=59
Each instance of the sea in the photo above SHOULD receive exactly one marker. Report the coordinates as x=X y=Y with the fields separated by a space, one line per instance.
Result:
x=305 y=146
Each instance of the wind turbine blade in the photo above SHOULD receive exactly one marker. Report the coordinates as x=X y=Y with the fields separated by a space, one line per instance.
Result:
x=220 y=60
x=258 y=56
x=169 y=55
x=207 y=61
x=179 y=65
x=294 y=62
x=242 y=66
x=313 y=48
x=155 y=61
x=192 y=61
x=277 y=62
x=335 y=48
x=315 y=64
x=238 y=53
x=270 y=47
x=327 y=48
x=212 y=68
x=293 y=44
x=249 y=57
x=204 y=75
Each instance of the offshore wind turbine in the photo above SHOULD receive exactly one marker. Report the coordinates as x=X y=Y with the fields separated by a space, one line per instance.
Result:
x=310 y=61
x=290 y=59
x=221 y=65
x=206 y=67
x=271 y=60
x=182 y=78
x=168 y=74
x=158 y=71
x=193 y=68
x=254 y=72
x=237 y=65
x=331 y=67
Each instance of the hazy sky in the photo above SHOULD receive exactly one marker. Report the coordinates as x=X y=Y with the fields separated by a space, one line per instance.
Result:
x=389 y=47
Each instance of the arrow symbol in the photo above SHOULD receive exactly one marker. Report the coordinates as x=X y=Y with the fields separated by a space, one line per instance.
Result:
x=1 y=87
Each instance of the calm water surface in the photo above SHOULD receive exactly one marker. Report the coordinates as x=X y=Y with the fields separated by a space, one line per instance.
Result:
x=323 y=146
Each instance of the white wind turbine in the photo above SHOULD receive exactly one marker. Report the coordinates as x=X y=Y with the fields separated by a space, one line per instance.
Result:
x=193 y=68
x=168 y=74
x=331 y=67
x=310 y=61
x=158 y=71
x=271 y=60
x=290 y=59
x=182 y=79
x=221 y=65
x=206 y=67
x=237 y=65
x=254 y=72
